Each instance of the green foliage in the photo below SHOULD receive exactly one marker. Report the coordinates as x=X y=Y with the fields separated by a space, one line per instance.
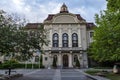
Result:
x=92 y=72
x=106 y=45
x=77 y=63
x=10 y=63
x=19 y=65
x=15 y=40
x=113 y=5
x=108 y=75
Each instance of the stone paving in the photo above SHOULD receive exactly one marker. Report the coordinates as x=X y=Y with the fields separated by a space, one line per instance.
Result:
x=71 y=74
x=52 y=74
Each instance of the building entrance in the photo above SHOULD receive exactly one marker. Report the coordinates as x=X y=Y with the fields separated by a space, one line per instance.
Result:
x=65 y=61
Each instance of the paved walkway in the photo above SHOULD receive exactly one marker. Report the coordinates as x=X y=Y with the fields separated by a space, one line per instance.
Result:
x=54 y=74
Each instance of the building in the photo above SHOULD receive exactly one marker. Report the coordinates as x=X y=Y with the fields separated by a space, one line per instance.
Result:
x=69 y=35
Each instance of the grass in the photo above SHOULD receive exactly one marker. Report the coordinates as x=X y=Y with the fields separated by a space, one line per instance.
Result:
x=113 y=76
x=102 y=67
x=108 y=75
x=92 y=72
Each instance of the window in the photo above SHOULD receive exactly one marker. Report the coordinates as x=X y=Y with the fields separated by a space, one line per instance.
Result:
x=36 y=58
x=91 y=34
x=45 y=58
x=55 y=40
x=74 y=40
x=65 y=40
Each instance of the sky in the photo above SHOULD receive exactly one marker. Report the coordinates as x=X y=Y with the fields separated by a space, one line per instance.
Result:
x=38 y=10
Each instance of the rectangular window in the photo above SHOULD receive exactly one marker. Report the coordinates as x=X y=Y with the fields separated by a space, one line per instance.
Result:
x=37 y=59
x=45 y=58
x=91 y=34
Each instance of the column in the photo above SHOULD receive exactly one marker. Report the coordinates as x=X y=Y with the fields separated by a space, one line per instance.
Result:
x=85 y=60
x=60 y=36
x=69 y=33
x=59 y=61
x=79 y=37
x=70 y=61
x=50 y=38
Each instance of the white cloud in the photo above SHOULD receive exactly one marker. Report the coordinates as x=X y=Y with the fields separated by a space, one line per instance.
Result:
x=44 y=10
x=37 y=12
x=88 y=13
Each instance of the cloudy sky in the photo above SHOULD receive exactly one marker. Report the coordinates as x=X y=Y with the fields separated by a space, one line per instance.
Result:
x=37 y=10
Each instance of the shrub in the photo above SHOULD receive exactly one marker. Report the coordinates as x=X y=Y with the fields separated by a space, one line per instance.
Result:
x=77 y=63
x=8 y=64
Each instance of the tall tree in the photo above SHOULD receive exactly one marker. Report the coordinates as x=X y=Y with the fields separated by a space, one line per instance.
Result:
x=16 y=41
x=106 y=45
x=7 y=30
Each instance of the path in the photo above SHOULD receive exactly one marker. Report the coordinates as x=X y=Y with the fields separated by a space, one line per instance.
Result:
x=54 y=74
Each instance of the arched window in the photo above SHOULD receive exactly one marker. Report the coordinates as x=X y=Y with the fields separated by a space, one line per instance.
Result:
x=55 y=57
x=55 y=40
x=65 y=40
x=74 y=40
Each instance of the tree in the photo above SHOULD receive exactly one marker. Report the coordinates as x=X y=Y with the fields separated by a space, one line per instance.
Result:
x=106 y=45
x=7 y=33
x=15 y=41
x=77 y=63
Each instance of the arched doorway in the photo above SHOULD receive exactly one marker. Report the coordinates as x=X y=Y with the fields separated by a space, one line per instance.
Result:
x=54 y=61
x=65 y=60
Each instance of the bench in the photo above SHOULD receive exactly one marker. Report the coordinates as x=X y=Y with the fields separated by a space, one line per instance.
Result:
x=7 y=72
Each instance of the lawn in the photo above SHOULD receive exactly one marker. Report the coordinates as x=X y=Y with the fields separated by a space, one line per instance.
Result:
x=108 y=75
x=113 y=76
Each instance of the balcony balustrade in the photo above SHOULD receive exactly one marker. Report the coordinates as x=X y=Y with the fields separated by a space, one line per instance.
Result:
x=66 y=49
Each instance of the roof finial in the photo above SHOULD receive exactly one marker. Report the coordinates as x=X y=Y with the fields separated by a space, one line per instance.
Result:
x=64 y=9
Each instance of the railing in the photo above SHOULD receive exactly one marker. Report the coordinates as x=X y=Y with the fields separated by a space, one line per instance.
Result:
x=66 y=48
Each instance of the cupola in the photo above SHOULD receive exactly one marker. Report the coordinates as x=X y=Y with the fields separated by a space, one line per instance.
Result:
x=64 y=9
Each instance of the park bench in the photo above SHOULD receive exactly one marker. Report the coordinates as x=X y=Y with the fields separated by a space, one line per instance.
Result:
x=12 y=71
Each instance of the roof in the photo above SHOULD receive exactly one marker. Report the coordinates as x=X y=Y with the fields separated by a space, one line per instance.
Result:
x=79 y=17
x=50 y=17
x=90 y=25
x=32 y=25
x=36 y=25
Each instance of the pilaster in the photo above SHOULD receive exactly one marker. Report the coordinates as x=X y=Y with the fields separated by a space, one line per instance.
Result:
x=59 y=60
x=79 y=37
x=60 y=36
x=50 y=44
x=70 y=61
x=70 y=39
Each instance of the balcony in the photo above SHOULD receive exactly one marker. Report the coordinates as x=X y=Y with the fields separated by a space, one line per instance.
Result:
x=66 y=49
